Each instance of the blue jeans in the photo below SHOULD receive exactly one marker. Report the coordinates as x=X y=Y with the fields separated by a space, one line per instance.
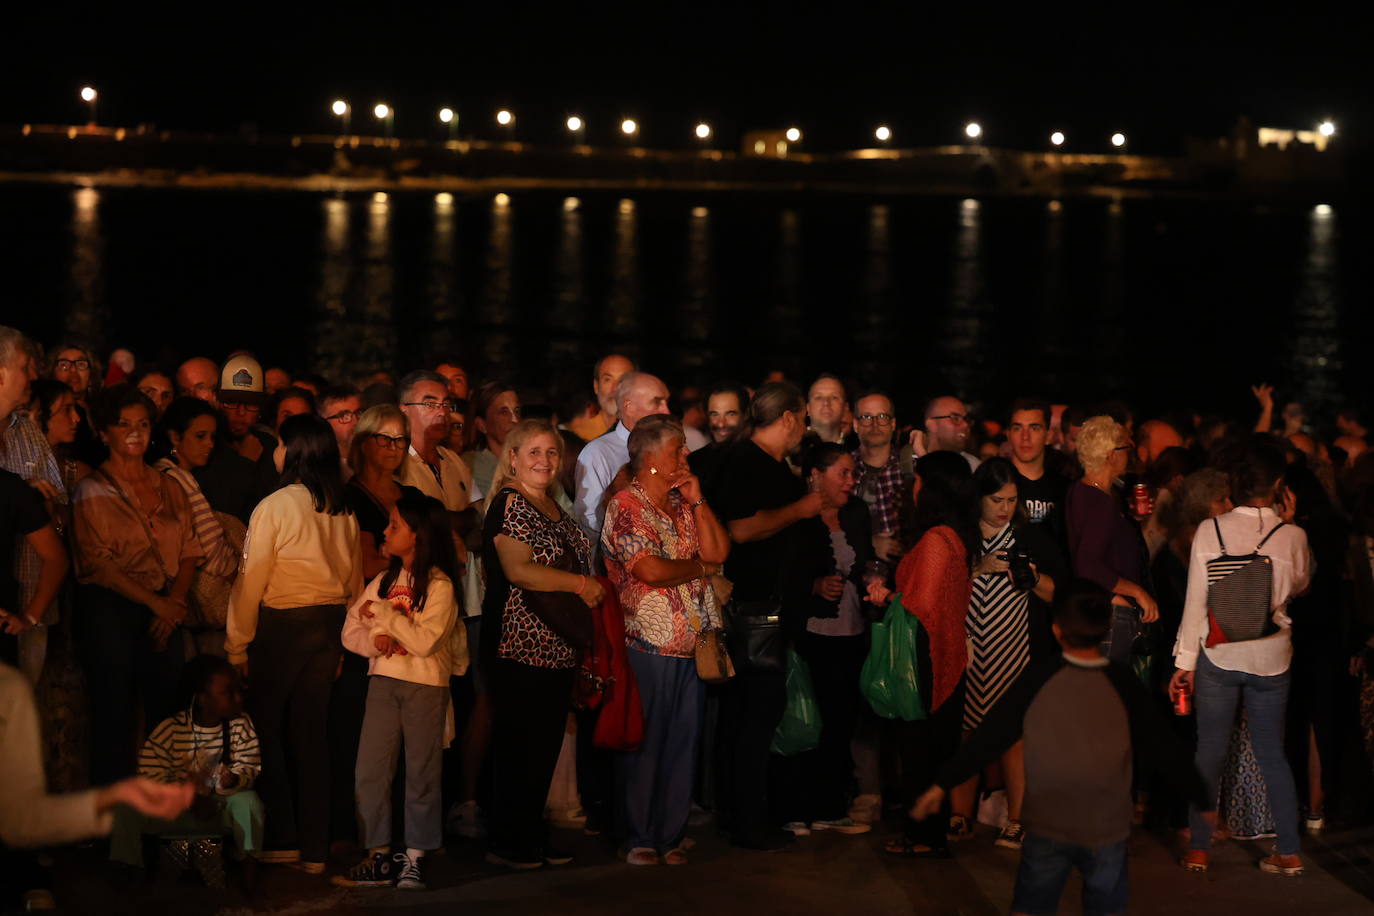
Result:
x=656 y=780
x=1045 y=868
x=1121 y=636
x=1216 y=693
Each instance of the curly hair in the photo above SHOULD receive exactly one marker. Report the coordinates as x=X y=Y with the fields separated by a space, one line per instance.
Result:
x=1098 y=438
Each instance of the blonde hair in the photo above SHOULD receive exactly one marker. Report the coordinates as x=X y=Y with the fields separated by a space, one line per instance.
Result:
x=523 y=432
x=1098 y=438
x=369 y=422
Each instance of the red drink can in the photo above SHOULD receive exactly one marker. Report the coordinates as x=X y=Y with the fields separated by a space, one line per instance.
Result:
x=1142 y=504
x=1183 y=703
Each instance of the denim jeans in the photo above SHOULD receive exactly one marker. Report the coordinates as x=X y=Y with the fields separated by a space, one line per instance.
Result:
x=1045 y=868
x=1121 y=636
x=1216 y=693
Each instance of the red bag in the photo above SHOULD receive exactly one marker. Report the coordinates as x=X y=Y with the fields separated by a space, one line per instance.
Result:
x=606 y=681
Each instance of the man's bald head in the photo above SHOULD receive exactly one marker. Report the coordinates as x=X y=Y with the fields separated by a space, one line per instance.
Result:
x=606 y=378
x=639 y=395
x=1153 y=437
x=198 y=377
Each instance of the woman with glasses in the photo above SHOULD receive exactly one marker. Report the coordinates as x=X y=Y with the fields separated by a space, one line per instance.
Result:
x=300 y=571
x=1105 y=544
x=379 y=446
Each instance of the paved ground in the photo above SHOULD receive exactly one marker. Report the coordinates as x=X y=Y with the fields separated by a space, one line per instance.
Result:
x=820 y=874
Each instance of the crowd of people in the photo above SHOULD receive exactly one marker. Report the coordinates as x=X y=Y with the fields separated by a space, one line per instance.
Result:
x=270 y=587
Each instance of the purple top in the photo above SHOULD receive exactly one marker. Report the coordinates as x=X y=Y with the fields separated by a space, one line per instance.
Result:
x=1104 y=545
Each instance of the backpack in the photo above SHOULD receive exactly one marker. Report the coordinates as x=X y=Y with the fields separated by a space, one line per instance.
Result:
x=1240 y=592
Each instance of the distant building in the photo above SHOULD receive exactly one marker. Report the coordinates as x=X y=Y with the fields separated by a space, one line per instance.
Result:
x=1271 y=155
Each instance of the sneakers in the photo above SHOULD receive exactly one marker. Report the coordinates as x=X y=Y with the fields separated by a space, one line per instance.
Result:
x=642 y=855
x=866 y=809
x=1195 y=860
x=408 y=874
x=959 y=828
x=1288 y=866
x=377 y=870
x=1011 y=836
x=844 y=825
x=1315 y=824
x=797 y=828
x=675 y=857
x=465 y=820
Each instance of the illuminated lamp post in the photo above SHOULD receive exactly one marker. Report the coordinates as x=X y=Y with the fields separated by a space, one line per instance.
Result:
x=89 y=96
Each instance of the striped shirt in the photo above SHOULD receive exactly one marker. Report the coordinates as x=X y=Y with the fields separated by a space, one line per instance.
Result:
x=220 y=557
x=179 y=750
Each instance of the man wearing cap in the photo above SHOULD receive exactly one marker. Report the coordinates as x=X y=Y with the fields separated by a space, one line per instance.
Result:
x=240 y=471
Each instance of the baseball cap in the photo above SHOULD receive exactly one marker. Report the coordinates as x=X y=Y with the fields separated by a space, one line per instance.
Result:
x=241 y=379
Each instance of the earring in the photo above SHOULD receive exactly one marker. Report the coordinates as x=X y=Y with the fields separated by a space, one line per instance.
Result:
x=653 y=470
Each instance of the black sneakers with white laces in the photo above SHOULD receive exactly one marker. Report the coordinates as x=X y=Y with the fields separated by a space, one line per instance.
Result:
x=377 y=870
x=409 y=876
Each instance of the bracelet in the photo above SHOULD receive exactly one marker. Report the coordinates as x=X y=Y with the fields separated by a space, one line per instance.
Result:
x=704 y=574
x=698 y=503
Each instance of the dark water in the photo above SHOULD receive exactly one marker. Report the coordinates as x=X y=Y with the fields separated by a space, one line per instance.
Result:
x=1161 y=302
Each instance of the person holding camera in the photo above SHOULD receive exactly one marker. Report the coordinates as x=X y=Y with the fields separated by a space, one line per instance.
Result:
x=1010 y=570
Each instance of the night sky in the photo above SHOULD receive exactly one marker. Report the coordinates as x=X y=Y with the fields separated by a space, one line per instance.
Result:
x=836 y=70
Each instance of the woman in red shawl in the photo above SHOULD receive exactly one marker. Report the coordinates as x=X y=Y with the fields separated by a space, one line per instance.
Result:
x=933 y=580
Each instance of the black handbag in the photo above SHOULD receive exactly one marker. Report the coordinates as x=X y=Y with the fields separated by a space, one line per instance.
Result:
x=565 y=613
x=755 y=637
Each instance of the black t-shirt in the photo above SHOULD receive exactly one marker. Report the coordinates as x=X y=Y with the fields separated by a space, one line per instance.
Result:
x=21 y=513
x=372 y=518
x=746 y=482
x=1043 y=501
x=233 y=484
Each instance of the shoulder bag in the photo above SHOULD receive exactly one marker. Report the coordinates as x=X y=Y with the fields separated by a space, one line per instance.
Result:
x=1240 y=592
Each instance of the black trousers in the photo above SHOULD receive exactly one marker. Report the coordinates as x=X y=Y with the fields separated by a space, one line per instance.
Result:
x=751 y=708
x=347 y=701
x=816 y=784
x=530 y=710
x=291 y=665
x=924 y=747
x=124 y=670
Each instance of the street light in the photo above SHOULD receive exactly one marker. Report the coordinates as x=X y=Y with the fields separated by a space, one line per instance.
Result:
x=1057 y=138
x=89 y=96
x=447 y=116
x=883 y=133
x=1118 y=140
x=575 y=124
x=793 y=135
x=973 y=130
x=343 y=113
x=1326 y=128
x=628 y=127
x=703 y=131
x=505 y=118
x=386 y=114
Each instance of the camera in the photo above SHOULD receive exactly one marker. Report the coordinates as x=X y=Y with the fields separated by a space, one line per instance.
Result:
x=1023 y=577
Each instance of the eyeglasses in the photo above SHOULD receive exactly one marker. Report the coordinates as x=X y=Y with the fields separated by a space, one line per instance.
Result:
x=344 y=416
x=432 y=405
x=951 y=417
x=458 y=426
x=384 y=441
x=67 y=365
x=240 y=407
x=868 y=419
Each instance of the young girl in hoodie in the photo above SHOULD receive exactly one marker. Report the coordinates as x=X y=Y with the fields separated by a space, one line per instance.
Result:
x=404 y=625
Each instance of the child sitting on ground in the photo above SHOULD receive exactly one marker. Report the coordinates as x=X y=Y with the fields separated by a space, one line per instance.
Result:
x=1085 y=720
x=213 y=745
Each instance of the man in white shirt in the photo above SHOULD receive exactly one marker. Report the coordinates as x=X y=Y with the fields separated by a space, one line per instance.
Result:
x=1252 y=671
x=638 y=395
x=428 y=466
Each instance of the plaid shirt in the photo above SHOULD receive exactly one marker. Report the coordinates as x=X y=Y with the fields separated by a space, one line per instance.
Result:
x=880 y=488
x=25 y=451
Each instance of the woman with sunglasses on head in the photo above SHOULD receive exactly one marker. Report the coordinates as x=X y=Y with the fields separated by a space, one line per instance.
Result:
x=1105 y=545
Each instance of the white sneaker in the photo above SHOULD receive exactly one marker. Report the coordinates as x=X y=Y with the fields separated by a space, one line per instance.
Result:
x=465 y=820
x=797 y=828
x=845 y=825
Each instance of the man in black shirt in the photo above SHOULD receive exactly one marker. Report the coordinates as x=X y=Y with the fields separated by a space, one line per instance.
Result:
x=760 y=500
x=1041 y=488
x=241 y=470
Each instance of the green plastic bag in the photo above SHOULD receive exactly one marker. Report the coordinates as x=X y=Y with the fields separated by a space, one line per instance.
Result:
x=888 y=679
x=800 y=727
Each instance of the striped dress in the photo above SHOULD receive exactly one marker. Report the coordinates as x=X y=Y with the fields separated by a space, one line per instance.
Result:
x=999 y=635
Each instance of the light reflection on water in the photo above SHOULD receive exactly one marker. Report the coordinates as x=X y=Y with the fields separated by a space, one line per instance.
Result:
x=908 y=294
x=86 y=312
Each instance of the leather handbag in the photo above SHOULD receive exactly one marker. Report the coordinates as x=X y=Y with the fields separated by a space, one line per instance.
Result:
x=756 y=640
x=714 y=665
x=563 y=612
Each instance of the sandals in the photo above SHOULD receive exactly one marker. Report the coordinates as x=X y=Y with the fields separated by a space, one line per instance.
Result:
x=909 y=850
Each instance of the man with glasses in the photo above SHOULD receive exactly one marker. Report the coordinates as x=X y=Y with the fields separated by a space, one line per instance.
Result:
x=240 y=471
x=340 y=406
x=430 y=467
x=946 y=430
x=879 y=470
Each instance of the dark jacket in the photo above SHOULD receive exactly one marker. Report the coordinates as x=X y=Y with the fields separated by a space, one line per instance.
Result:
x=813 y=558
